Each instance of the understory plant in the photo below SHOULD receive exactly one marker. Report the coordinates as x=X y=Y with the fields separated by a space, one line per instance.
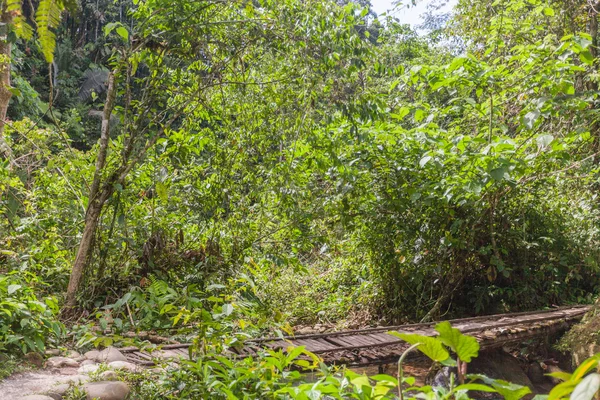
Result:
x=26 y=322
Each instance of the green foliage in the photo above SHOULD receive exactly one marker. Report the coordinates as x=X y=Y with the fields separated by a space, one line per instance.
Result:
x=26 y=323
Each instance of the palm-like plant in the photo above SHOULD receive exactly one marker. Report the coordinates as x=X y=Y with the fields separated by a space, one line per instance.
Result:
x=47 y=18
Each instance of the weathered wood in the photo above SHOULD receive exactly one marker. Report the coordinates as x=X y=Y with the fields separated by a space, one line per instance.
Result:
x=375 y=346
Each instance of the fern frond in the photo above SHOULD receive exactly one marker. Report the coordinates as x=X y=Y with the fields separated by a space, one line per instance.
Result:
x=20 y=25
x=13 y=5
x=47 y=18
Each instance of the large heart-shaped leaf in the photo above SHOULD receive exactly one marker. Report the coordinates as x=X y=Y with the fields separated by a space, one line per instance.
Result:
x=429 y=346
x=465 y=347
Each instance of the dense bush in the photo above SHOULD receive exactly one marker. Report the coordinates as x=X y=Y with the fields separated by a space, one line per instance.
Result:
x=26 y=322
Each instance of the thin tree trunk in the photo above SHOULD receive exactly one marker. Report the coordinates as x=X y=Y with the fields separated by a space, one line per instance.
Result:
x=5 y=93
x=96 y=200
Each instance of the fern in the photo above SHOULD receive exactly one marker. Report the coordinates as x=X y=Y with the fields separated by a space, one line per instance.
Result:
x=47 y=18
x=21 y=27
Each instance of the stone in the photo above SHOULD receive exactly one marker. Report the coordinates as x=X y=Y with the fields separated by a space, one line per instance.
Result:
x=73 y=354
x=59 y=362
x=109 y=375
x=52 y=352
x=58 y=392
x=106 y=390
x=107 y=355
x=88 y=362
x=535 y=372
x=92 y=355
x=37 y=397
x=500 y=365
x=123 y=365
x=35 y=359
x=88 y=369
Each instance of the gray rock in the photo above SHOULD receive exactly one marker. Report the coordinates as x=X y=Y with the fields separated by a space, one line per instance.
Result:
x=107 y=355
x=88 y=362
x=106 y=390
x=123 y=365
x=109 y=375
x=88 y=369
x=59 y=362
x=37 y=397
x=57 y=392
x=52 y=352
x=92 y=355
x=73 y=354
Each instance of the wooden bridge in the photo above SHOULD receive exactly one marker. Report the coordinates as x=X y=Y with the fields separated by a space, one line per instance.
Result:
x=375 y=347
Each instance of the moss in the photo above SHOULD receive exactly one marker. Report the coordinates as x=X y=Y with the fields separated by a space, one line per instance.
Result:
x=584 y=334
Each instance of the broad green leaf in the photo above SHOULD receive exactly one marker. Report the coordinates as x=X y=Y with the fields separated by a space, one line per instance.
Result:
x=544 y=141
x=497 y=173
x=587 y=388
x=429 y=346
x=563 y=376
x=13 y=288
x=424 y=161
x=476 y=387
x=465 y=347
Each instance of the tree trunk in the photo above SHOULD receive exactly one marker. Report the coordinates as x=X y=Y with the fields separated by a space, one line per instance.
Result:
x=96 y=200
x=5 y=93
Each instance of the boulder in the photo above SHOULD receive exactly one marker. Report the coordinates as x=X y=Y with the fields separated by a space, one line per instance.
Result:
x=500 y=365
x=88 y=369
x=106 y=390
x=58 y=392
x=88 y=362
x=107 y=355
x=109 y=375
x=60 y=362
x=92 y=355
x=123 y=365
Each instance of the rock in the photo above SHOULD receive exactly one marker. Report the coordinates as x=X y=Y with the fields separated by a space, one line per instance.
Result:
x=535 y=372
x=35 y=359
x=58 y=391
x=73 y=354
x=441 y=378
x=106 y=390
x=37 y=397
x=500 y=365
x=91 y=355
x=59 y=362
x=52 y=352
x=109 y=375
x=123 y=365
x=88 y=369
x=107 y=355
x=88 y=362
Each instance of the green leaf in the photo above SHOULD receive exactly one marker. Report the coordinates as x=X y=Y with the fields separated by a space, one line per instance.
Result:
x=563 y=376
x=544 y=141
x=587 y=388
x=465 y=347
x=161 y=190
x=586 y=57
x=122 y=31
x=497 y=173
x=476 y=387
x=13 y=288
x=429 y=346
x=530 y=118
x=562 y=390
x=227 y=309
x=548 y=11
x=424 y=161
